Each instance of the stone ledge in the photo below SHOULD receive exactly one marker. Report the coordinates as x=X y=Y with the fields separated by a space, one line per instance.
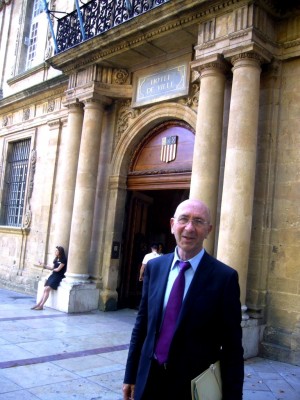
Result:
x=71 y=298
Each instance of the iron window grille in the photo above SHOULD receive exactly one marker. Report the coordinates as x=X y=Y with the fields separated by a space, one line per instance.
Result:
x=15 y=182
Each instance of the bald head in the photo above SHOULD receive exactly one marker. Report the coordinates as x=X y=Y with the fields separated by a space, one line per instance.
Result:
x=190 y=226
x=197 y=205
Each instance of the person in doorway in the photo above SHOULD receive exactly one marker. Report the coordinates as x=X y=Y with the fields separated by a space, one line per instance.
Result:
x=160 y=249
x=166 y=352
x=154 y=253
x=59 y=268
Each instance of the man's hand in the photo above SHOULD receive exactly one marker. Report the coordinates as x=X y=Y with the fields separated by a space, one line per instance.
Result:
x=128 y=391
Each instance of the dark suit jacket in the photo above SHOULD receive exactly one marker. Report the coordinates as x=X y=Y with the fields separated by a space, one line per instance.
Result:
x=208 y=327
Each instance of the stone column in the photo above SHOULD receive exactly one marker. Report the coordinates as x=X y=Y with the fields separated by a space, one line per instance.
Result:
x=67 y=178
x=208 y=140
x=76 y=293
x=239 y=173
x=84 y=200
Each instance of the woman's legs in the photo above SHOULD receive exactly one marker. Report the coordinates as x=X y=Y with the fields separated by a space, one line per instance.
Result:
x=40 y=304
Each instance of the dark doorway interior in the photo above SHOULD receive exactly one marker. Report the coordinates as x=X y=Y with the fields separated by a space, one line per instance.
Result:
x=148 y=216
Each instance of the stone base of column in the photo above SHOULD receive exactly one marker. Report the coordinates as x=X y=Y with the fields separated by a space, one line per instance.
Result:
x=252 y=336
x=282 y=345
x=108 y=300
x=72 y=297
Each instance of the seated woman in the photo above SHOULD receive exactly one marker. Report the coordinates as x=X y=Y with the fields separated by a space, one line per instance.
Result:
x=59 y=268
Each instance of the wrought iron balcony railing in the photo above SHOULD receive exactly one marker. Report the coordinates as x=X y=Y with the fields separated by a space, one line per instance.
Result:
x=98 y=16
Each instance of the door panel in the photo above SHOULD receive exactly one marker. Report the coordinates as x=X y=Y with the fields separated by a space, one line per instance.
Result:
x=148 y=222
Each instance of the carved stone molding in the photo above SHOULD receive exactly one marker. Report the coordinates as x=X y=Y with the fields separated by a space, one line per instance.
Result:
x=27 y=219
x=192 y=100
x=126 y=116
x=251 y=55
x=5 y=120
x=33 y=159
x=26 y=114
x=54 y=124
x=76 y=106
x=96 y=73
x=120 y=76
x=215 y=65
x=51 y=106
x=98 y=82
x=160 y=171
x=28 y=214
x=292 y=43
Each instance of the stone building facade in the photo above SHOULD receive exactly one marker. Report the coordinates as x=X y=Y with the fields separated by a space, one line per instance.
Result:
x=104 y=135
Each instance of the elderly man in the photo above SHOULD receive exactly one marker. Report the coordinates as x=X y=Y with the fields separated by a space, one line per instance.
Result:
x=189 y=317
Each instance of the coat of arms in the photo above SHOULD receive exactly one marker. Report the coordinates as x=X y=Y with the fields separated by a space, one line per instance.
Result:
x=168 y=148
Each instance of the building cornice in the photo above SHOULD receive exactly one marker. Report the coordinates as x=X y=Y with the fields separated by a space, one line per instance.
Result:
x=54 y=86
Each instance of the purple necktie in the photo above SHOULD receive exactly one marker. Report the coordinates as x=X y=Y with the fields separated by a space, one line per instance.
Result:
x=171 y=313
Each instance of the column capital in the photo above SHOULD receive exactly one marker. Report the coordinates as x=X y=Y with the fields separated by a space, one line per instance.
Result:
x=212 y=64
x=75 y=107
x=247 y=57
x=251 y=52
x=96 y=102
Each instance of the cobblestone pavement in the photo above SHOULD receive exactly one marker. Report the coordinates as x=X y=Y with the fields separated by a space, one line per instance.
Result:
x=52 y=355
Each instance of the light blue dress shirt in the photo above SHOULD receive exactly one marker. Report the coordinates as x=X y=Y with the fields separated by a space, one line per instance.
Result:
x=189 y=274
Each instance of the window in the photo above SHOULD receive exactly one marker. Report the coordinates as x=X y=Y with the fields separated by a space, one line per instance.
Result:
x=35 y=51
x=15 y=182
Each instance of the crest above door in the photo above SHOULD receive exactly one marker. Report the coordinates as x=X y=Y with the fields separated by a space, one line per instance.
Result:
x=163 y=159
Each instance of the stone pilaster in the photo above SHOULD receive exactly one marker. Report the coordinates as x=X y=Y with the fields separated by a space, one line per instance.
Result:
x=208 y=140
x=68 y=175
x=114 y=228
x=48 y=196
x=239 y=173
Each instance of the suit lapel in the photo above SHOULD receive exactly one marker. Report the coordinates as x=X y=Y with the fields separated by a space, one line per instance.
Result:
x=161 y=283
x=198 y=283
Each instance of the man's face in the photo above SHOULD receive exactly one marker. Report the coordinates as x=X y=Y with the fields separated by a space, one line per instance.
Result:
x=190 y=226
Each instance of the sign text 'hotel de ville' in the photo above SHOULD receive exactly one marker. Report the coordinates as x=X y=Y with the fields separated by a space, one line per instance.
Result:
x=161 y=85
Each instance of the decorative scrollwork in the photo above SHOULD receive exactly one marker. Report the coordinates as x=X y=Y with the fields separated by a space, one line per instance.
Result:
x=31 y=172
x=5 y=120
x=125 y=114
x=159 y=171
x=27 y=219
x=120 y=76
x=192 y=100
x=26 y=114
x=98 y=17
x=51 y=106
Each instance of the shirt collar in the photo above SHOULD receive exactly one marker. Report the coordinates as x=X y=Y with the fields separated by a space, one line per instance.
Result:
x=193 y=261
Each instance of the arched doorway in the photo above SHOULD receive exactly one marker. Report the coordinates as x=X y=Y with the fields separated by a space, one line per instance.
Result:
x=158 y=179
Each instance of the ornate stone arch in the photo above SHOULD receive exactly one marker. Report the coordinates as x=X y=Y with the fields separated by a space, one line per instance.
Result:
x=128 y=141
x=143 y=123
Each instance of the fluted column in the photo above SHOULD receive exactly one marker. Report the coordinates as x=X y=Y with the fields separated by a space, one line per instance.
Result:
x=67 y=178
x=208 y=140
x=239 y=173
x=86 y=182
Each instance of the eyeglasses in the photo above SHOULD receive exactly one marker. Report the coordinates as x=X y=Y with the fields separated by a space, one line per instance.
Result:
x=197 y=222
